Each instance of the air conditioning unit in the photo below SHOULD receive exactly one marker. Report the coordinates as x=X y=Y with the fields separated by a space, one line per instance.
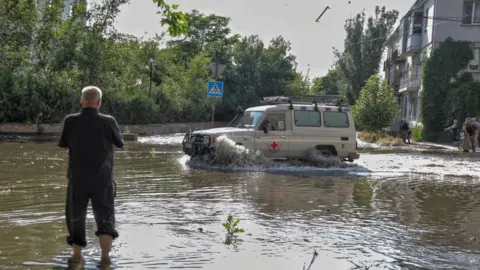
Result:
x=473 y=66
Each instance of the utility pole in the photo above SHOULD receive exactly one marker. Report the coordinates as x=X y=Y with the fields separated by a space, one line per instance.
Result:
x=217 y=70
x=151 y=74
x=216 y=76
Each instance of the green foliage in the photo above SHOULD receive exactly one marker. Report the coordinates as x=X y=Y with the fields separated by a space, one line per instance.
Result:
x=417 y=132
x=231 y=226
x=447 y=94
x=364 y=45
x=41 y=75
x=328 y=84
x=176 y=20
x=377 y=106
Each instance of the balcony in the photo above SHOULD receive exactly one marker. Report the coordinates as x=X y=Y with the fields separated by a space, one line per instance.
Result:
x=396 y=58
x=410 y=83
x=414 y=44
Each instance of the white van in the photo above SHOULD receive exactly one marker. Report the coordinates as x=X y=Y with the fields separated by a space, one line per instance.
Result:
x=286 y=128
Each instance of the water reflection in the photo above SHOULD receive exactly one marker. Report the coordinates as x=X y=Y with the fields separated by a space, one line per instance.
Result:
x=387 y=222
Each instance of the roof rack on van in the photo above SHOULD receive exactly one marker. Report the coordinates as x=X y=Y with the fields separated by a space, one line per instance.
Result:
x=333 y=100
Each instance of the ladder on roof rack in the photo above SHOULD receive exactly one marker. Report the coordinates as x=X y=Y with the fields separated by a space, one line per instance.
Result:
x=335 y=100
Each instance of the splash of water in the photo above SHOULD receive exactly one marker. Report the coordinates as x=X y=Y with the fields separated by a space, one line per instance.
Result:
x=170 y=139
x=230 y=155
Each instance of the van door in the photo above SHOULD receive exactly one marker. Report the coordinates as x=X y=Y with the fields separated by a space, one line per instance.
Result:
x=275 y=143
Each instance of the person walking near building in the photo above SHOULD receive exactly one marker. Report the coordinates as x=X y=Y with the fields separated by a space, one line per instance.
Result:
x=455 y=128
x=476 y=127
x=89 y=136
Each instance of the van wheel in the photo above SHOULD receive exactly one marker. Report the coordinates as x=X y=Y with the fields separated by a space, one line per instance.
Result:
x=325 y=152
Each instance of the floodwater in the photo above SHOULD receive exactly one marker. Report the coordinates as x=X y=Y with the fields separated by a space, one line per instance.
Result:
x=390 y=210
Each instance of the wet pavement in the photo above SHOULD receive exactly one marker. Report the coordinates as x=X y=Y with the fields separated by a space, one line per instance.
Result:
x=392 y=209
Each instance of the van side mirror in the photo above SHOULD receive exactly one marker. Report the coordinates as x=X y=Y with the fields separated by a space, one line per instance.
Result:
x=265 y=129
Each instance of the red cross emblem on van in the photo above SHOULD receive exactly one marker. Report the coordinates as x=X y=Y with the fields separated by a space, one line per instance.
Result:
x=274 y=146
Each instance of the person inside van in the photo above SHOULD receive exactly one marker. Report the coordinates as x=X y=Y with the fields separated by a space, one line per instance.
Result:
x=267 y=125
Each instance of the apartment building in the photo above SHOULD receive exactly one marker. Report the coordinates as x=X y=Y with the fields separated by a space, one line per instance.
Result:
x=426 y=24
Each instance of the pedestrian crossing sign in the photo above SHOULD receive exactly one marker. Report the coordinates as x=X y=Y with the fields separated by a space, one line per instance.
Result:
x=215 y=89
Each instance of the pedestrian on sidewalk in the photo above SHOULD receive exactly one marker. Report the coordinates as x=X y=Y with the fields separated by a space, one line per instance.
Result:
x=476 y=127
x=455 y=130
x=469 y=132
x=89 y=137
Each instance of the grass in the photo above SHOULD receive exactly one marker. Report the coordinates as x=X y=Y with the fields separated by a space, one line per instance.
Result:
x=380 y=138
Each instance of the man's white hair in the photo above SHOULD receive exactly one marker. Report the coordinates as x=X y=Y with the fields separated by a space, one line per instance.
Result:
x=91 y=93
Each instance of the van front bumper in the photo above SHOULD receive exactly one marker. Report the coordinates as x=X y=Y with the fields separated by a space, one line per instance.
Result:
x=197 y=145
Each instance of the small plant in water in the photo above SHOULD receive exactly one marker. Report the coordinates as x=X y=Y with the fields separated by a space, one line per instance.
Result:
x=126 y=129
x=231 y=226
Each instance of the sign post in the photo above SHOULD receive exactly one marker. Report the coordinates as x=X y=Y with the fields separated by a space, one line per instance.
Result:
x=215 y=88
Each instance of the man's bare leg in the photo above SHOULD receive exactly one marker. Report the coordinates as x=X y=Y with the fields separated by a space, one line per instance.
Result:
x=77 y=253
x=106 y=246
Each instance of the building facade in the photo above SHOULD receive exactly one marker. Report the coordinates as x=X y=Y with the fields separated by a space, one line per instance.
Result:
x=426 y=24
x=67 y=7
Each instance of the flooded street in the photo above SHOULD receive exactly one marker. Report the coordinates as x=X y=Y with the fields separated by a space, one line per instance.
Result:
x=389 y=210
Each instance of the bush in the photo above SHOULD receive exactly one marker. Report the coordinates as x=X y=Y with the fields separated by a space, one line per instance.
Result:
x=441 y=100
x=417 y=132
x=377 y=106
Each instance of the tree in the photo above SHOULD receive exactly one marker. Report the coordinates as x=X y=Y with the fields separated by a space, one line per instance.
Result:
x=41 y=74
x=364 y=46
x=176 y=20
x=326 y=85
x=441 y=100
x=377 y=106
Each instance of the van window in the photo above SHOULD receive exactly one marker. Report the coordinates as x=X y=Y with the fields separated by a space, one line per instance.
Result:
x=335 y=119
x=277 y=121
x=307 y=119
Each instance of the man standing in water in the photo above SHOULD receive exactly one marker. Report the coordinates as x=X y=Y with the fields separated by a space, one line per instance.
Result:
x=89 y=137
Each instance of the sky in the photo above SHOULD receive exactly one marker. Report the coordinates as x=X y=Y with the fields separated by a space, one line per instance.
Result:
x=312 y=42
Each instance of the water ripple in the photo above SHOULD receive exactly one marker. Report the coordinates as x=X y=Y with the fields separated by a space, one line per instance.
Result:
x=169 y=212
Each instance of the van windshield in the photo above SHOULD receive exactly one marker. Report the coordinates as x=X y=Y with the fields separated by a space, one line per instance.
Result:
x=248 y=120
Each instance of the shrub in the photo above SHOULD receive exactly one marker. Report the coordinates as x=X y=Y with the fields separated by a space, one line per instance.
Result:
x=441 y=99
x=417 y=131
x=377 y=106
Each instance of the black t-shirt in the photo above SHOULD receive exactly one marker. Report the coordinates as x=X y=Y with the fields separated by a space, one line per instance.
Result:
x=90 y=136
x=470 y=129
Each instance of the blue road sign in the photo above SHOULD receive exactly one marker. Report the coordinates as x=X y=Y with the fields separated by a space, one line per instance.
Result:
x=215 y=89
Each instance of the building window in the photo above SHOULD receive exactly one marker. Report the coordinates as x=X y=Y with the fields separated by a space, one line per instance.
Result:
x=426 y=19
x=471 y=12
x=417 y=22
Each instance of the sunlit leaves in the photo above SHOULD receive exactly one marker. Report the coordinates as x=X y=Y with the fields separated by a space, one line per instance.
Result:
x=176 y=20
